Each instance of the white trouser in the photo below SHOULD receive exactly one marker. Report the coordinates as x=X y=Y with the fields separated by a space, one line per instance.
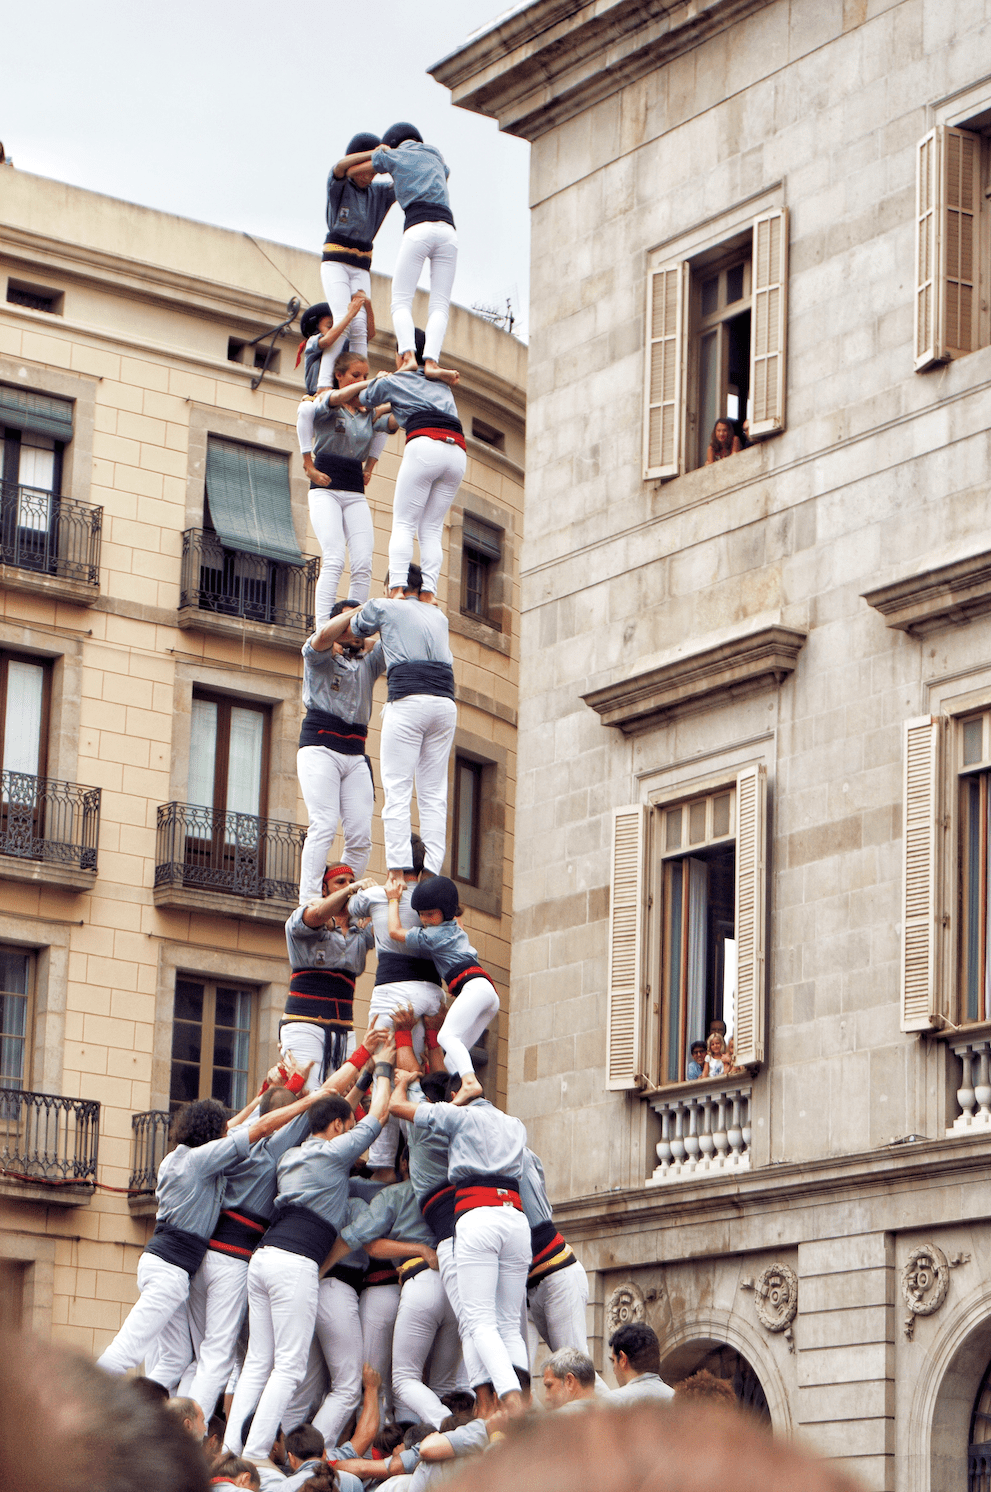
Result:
x=282 y=1305
x=467 y=1017
x=341 y=520
x=492 y=1254
x=335 y=788
x=424 y=997
x=417 y=735
x=306 y=1043
x=475 y=1370
x=426 y=1326
x=218 y=1298
x=311 y=1391
x=340 y=281
x=338 y=1328
x=377 y=1308
x=156 y=1321
x=430 y=474
x=437 y=242
x=382 y=1151
x=557 y=1308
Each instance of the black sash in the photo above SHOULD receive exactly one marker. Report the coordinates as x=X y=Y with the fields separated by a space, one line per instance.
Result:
x=421 y=677
x=298 y=1230
x=395 y=968
x=177 y=1246
x=322 y=729
x=437 y=1208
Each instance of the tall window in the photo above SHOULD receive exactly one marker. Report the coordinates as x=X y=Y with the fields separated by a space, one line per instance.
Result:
x=974 y=848
x=227 y=755
x=698 y=948
x=721 y=296
x=467 y=819
x=481 y=550
x=15 y=974
x=211 y=1042
x=32 y=479
x=24 y=717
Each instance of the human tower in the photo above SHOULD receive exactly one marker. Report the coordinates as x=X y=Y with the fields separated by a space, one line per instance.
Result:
x=415 y=1265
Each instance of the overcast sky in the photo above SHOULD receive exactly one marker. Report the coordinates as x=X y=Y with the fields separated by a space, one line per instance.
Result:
x=233 y=113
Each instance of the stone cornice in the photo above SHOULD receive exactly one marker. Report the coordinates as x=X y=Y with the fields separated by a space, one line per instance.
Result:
x=737 y=666
x=556 y=58
x=947 y=596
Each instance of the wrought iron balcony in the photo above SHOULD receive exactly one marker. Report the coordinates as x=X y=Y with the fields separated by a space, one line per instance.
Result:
x=222 y=582
x=56 y=823
x=149 y=1142
x=50 y=535
x=233 y=853
x=48 y=1139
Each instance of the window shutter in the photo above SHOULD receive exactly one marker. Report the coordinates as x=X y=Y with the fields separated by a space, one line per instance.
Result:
x=664 y=370
x=751 y=838
x=959 y=177
x=769 y=324
x=926 y=174
x=625 y=1022
x=921 y=789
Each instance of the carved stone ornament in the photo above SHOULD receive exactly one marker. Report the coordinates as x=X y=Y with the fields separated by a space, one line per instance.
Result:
x=626 y=1304
x=775 y=1299
x=925 y=1281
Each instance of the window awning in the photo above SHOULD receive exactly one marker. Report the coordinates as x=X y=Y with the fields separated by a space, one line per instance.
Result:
x=482 y=536
x=248 y=490
x=42 y=414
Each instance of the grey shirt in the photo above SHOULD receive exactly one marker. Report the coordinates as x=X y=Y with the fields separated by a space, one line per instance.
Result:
x=411 y=632
x=410 y=393
x=341 y=686
x=533 y=1192
x=643 y=1386
x=340 y=430
x=447 y=945
x=395 y=1213
x=191 y=1182
x=355 y=214
x=374 y=903
x=315 y=1175
x=429 y=1150
x=327 y=947
x=251 y=1183
x=482 y=1139
x=419 y=172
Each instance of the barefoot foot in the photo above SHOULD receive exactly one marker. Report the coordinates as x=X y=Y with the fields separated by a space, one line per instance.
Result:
x=470 y=1088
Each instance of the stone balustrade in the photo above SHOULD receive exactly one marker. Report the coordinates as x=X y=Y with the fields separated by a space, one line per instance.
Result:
x=974 y=1093
x=704 y=1130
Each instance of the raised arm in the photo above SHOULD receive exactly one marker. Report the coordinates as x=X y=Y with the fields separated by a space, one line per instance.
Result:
x=337 y=330
x=396 y=930
x=323 y=909
x=333 y=631
x=359 y=158
x=400 y=1104
x=367 y=1427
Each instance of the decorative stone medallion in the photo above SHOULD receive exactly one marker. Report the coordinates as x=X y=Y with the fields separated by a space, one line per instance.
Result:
x=925 y=1281
x=625 y=1304
x=775 y=1299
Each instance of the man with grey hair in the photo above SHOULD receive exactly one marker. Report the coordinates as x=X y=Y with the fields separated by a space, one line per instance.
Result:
x=189 y=1415
x=569 y=1378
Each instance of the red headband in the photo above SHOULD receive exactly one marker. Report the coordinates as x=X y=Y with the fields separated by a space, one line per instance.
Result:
x=338 y=870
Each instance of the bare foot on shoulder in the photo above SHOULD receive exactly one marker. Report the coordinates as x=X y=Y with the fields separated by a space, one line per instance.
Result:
x=408 y=364
x=470 y=1088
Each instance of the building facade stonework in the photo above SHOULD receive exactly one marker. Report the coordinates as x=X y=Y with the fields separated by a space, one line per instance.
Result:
x=755 y=698
x=150 y=669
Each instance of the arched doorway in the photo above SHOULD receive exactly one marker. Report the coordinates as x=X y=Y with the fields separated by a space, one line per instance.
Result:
x=723 y=1361
x=979 y=1441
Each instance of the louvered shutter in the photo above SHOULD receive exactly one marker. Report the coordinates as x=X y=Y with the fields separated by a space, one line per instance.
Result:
x=769 y=324
x=926 y=177
x=625 y=1021
x=921 y=788
x=959 y=177
x=664 y=371
x=751 y=839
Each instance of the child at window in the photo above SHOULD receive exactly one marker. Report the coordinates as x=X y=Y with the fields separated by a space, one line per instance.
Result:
x=715 y=1061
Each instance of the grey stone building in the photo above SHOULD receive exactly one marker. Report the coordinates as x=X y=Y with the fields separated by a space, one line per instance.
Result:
x=755 y=710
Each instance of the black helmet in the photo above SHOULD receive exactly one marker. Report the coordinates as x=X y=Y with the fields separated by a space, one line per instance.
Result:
x=397 y=133
x=311 y=318
x=438 y=894
x=362 y=141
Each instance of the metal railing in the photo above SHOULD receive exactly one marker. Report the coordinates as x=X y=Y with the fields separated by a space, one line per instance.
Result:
x=704 y=1131
x=41 y=819
x=149 y=1142
x=53 y=535
x=232 y=852
x=47 y=1138
x=232 y=583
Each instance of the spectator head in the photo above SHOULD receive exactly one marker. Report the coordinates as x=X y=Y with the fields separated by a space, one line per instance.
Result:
x=705 y=1385
x=568 y=1375
x=634 y=1349
x=101 y=1433
x=188 y=1414
x=698 y=1052
x=238 y=1472
x=330 y=1116
x=652 y=1447
x=305 y=1443
x=721 y=439
x=199 y=1122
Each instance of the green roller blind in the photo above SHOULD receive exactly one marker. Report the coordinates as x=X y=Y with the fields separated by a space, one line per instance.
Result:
x=42 y=414
x=248 y=491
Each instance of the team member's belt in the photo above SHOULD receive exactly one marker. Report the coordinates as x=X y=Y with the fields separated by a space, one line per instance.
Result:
x=177 y=1246
x=420 y=676
x=238 y=1232
x=437 y=1208
x=422 y=420
x=449 y=437
x=485 y=1190
x=345 y=472
x=397 y=968
x=550 y=1253
x=299 y=1230
x=320 y=728
x=427 y=212
x=365 y=255
x=324 y=997
x=410 y=1268
x=381 y=1273
x=348 y=1275
x=460 y=977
